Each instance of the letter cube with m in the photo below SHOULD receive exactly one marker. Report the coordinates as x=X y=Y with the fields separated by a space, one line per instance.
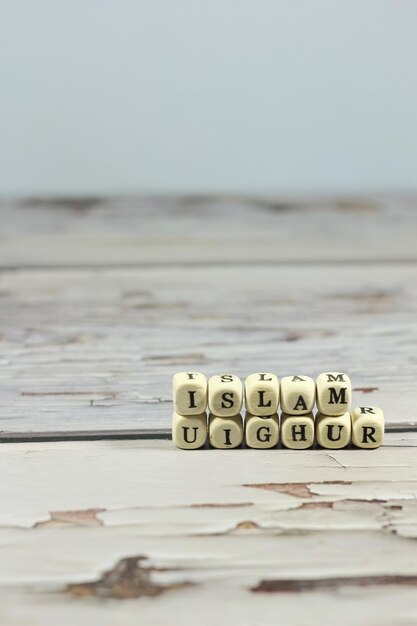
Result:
x=334 y=393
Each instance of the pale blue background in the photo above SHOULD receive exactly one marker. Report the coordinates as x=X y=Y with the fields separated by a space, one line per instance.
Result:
x=287 y=96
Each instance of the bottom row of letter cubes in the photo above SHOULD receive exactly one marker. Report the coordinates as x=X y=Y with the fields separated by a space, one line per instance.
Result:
x=364 y=427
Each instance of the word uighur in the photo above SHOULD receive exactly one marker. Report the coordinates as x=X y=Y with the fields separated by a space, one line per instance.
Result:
x=334 y=425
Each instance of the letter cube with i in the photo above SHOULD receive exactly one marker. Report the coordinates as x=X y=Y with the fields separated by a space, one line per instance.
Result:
x=334 y=393
x=262 y=394
x=189 y=391
x=225 y=395
x=261 y=432
x=225 y=432
x=297 y=431
x=189 y=432
x=333 y=432
x=367 y=427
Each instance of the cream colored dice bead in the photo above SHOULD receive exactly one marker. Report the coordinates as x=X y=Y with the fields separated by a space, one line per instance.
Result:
x=189 y=432
x=225 y=395
x=261 y=432
x=225 y=432
x=189 y=392
x=367 y=426
x=297 y=431
x=262 y=394
x=333 y=432
x=334 y=393
x=298 y=395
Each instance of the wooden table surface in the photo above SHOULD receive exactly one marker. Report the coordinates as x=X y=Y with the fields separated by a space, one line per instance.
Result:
x=102 y=520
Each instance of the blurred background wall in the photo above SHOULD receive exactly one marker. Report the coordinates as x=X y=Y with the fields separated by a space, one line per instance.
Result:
x=285 y=96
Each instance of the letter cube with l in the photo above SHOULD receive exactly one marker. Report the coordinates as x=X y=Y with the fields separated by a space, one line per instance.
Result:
x=225 y=395
x=189 y=391
x=334 y=393
x=261 y=432
x=333 y=432
x=298 y=394
x=225 y=432
x=297 y=431
x=189 y=432
x=367 y=426
x=262 y=394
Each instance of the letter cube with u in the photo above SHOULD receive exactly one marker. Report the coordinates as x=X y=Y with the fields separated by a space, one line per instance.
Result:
x=333 y=431
x=189 y=390
x=334 y=393
x=189 y=432
x=225 y=395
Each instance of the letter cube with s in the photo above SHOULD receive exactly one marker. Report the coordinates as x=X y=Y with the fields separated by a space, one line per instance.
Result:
x=225 y=395
x=189 y=390
x=334 y=393
x=367 y=427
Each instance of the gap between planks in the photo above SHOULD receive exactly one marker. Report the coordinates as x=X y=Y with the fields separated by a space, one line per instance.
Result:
x=126 y=435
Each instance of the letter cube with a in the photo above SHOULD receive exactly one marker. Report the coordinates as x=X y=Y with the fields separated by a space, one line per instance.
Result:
x=297 y=431
x=189 y=432
x=261 y=432
x=225 y=395
x=334 y=393
x=367 y=427
x=333 y=432
x=262 y=394
x=225 y=432
x=298 y=394
x=189 y=391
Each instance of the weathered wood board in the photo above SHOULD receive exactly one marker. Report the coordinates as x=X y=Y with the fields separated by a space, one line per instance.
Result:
x=95 y=350
x=207 y=229
x=141 y=533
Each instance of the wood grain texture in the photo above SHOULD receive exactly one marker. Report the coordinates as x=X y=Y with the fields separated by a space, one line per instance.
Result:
x=142 y=533
x=206 y=229
x=89 y=351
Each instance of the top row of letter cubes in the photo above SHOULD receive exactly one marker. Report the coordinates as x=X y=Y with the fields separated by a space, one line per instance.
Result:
x=263 y=394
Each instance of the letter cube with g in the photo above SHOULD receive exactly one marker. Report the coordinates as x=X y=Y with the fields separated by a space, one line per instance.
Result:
x=261 y=432
x=225 y=395
x=334 y=393
x=189 y=390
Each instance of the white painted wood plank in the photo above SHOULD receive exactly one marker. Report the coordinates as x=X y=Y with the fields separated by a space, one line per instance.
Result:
x=87 y=351
x=337 y=530
x=212 y=229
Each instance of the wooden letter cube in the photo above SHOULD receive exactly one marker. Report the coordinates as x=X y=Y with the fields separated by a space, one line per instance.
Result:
x=225 y=395
x=334 y=393
x=225 y=432
x=189 y=432
x=262 y=394
x=189 y=392
x=261 y=432
x=367 y=426
x=297 y=431
x=333 y=432
x=298 y=395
